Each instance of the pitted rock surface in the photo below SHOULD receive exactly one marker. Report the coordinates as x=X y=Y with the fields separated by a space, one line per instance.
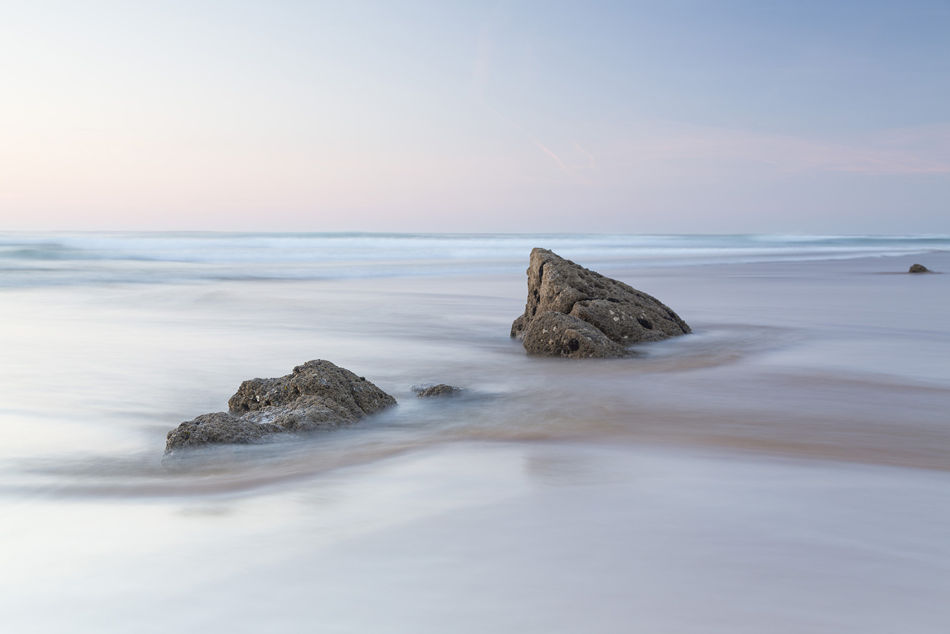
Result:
x=578 y=313
x=316 y=395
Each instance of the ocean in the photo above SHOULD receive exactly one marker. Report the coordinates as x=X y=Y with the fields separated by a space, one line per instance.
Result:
x=782 y=469
x=88 y=258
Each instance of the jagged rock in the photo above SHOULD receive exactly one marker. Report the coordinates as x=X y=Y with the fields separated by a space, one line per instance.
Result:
x=316 y=395
x=918 y=268
x=441 y=389
x=574 y=312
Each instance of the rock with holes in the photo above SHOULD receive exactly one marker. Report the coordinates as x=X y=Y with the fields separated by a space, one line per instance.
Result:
x=918 y=268
x=316 y=395
x=574 y=312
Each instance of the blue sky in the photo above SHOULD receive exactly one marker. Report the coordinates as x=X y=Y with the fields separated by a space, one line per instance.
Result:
x=509 y=116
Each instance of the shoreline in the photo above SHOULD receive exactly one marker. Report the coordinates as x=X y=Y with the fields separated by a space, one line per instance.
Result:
x=793 y=448
x=764 y=371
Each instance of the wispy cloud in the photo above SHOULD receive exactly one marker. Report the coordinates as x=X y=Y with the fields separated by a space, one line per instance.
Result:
x=557 y=159
x=591 y=161
x=564 y=166
x=904 y=151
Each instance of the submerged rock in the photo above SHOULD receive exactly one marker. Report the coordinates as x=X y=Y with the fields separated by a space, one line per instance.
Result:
x=574 y=312
x=918 y=268
x=442 y=389
x=316 y=395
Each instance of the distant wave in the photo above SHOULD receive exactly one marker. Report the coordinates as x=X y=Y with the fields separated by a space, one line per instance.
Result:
x=182 y=257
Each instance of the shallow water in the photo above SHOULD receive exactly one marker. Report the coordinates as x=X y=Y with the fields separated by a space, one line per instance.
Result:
x=516 y=537
x=779 y=470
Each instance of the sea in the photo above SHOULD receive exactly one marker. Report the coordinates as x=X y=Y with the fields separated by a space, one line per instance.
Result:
x=784 y=468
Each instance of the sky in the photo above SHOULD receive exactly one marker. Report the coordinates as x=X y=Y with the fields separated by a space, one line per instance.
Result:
x=652 y=117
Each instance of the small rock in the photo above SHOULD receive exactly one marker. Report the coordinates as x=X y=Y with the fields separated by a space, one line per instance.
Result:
x=316 y=395
x=441 y=389
x=918 y=268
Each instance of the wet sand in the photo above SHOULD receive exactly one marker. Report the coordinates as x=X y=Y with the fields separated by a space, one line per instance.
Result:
x=782 y=469
x=838 y=360
x=506 y=537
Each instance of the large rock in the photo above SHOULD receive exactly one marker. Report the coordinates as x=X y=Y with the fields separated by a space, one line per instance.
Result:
x=918 y=268
x=316 y=395
x=574 y=312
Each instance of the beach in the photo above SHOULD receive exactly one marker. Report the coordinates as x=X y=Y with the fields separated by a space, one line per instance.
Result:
x=781 y=469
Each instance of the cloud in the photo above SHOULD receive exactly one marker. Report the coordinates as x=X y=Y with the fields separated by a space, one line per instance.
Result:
x=552 y=154
x=901 y=151
x=591 y=161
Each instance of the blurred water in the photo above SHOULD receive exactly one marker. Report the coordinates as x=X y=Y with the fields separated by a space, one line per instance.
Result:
x=816 y=389
x=82 y=258
x=535 y=537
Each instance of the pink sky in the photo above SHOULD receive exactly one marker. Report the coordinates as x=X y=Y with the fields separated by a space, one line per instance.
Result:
x=455 y=120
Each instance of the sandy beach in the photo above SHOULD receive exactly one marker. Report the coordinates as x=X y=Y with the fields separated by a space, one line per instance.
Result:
x=779 y=469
